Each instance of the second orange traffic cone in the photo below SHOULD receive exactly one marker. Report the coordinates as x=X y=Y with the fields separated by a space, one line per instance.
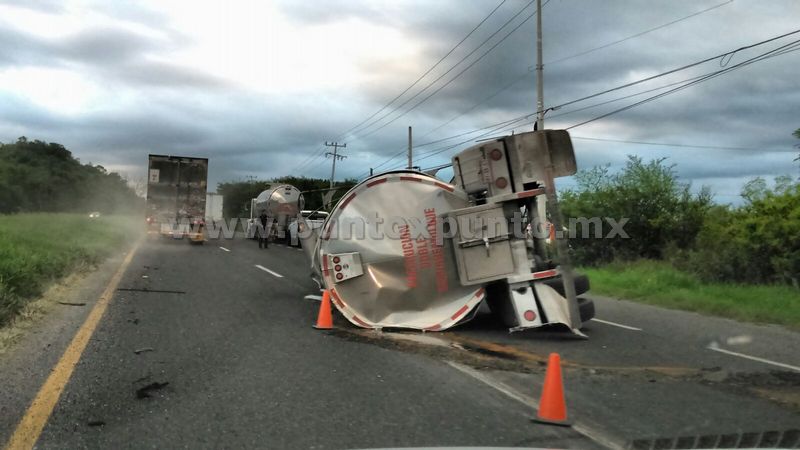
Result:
x=552 y=406
x=324 y=318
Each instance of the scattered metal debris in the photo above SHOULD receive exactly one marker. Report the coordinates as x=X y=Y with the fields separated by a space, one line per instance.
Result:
x=142 y=379
x=144 y=391
x=152 y=291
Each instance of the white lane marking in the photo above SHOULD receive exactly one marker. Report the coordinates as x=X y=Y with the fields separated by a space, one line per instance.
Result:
x=614 y=324
x=313 y=297
x=224 y=249
x=590 y=432
x=273 y=273
x=714 y=346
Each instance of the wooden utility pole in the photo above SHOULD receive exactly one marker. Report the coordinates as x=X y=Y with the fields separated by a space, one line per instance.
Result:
x=410 y=151
x=335 y=156
x=564 y=259
x=539 y=69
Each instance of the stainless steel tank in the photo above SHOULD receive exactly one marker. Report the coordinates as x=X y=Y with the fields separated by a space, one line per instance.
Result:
x=282 y=203
x=405 y=250
x=381 y=269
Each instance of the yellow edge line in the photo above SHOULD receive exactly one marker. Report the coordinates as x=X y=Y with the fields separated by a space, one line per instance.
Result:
x=30 y=427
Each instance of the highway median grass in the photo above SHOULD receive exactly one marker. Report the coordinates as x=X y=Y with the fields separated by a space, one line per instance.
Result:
x=660 y=284
x=37 y=249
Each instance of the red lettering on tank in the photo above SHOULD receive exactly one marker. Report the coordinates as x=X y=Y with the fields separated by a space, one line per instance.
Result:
x=409 y=257
x=438 y=254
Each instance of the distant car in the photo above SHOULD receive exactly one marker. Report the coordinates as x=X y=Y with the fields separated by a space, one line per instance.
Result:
x=314 y=219
x=94 y=215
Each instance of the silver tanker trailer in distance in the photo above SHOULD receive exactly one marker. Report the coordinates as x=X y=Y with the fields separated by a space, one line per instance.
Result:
x=282 y=204
x=431 y=252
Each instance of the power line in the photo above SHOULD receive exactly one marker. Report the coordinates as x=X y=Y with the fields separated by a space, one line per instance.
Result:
x=574 y=56
x=424 y=155
x=692 y=83
x=524 y=75
x=665 y=144
x=459 y=73
x=309 y=159
x=669 y=72
x=792 y=46
x=689 y=82
x=633 y=36
x=514 y=82
x=429 y=70
x=780 y=51
x=321 y=150
x=481 y=102
x=429 y=85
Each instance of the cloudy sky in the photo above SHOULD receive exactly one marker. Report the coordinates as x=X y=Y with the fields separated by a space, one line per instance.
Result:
x=258 y=86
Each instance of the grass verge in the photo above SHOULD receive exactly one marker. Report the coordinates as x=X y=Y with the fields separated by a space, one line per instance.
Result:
x=37 y=249
x=658 y=283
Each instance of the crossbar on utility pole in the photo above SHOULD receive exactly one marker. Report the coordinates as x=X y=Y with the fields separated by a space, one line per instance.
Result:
x=335 y=156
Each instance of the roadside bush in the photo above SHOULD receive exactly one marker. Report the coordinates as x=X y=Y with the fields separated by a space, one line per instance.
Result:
x=758 y=242
x=38 y=248
x=661 y=211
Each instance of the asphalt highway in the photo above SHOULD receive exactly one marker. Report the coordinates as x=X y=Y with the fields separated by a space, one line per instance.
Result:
x=212 y=346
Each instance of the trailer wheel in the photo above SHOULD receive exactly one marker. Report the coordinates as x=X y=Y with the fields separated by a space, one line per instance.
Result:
x=581 y=284
x=586 y=308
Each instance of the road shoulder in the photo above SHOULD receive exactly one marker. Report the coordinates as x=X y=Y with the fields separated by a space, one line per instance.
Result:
x=36 y=343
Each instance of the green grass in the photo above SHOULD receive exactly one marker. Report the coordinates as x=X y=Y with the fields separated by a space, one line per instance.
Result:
x=658 y=283
x=36 y=249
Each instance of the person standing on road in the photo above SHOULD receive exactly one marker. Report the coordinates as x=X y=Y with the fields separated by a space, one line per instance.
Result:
x=263 y=230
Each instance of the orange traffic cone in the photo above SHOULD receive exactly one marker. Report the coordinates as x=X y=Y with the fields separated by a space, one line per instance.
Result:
x=552 y=407
x=324 y=318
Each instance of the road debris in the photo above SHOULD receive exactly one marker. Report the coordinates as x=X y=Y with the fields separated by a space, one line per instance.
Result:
x=144 y=391
x=143 y=350
x=142 y=379
x=72 y=303
x=96 y=423
x=151 y=291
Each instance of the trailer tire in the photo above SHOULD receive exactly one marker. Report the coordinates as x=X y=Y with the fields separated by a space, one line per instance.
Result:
x=581 y=284
x=586 y=307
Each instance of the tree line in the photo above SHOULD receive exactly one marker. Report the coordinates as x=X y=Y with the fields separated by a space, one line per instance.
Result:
x=37 y=176
x=757 y=241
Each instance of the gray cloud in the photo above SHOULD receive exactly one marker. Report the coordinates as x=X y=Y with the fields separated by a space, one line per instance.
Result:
x=48 y=6
x=111 y=53
x=180 y=110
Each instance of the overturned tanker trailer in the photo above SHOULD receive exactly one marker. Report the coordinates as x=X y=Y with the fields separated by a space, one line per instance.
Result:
x=405 y=250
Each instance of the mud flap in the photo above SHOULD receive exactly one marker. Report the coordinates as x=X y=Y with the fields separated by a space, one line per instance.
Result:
x=556 y=308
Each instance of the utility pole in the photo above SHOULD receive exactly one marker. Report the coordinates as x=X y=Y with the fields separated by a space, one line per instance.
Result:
x=335 y=156
x=567 y=276
x=539 y=69
x=410 y=151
